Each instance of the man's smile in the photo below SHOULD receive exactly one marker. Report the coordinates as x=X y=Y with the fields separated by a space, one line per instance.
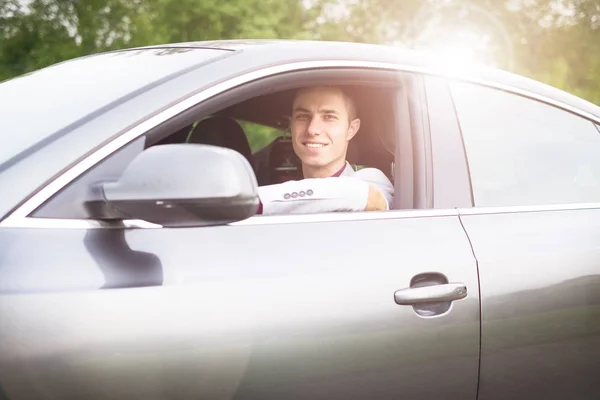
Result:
x=314 y=145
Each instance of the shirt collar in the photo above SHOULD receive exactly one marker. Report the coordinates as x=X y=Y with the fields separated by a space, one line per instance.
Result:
x=341 y=171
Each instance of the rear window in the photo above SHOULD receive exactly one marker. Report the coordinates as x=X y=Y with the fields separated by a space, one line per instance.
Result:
x=38 y=104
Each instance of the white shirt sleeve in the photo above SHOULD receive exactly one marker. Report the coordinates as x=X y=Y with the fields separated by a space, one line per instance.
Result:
x=315 y=195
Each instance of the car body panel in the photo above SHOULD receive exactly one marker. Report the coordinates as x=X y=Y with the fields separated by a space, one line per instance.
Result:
x=540 y=285
x=261 y=310
x=88 y=87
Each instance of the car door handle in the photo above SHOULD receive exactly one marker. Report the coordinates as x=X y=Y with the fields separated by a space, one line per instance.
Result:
x=430 y=294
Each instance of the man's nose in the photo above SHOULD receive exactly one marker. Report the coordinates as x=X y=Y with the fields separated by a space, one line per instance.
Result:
x=314 y=127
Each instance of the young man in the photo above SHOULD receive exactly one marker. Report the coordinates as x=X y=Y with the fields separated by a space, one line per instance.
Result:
x=323 y=122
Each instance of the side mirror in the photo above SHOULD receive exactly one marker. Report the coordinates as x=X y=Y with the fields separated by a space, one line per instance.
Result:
x=181 y=185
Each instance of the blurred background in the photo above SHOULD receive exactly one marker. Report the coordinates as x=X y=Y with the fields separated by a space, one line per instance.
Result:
x=554 y=41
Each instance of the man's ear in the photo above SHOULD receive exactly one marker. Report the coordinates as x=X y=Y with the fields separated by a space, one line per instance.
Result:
x=353 y=128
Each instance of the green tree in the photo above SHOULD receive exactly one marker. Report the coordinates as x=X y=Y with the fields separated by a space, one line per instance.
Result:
x=567 y=54
x=165 y=21
x=48 y=31
x=555 y=41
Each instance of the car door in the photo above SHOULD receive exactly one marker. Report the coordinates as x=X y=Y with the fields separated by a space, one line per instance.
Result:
x=535 y=231
x=334 y=305
x=274 y=307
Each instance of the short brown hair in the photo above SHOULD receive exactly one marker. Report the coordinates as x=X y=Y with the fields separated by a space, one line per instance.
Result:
x=348 y=99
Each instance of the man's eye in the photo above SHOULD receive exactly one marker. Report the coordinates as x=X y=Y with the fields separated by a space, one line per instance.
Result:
x=302 y=116
x=330 y=117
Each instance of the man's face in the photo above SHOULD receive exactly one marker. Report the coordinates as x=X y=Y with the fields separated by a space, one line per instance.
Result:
x=321 y=129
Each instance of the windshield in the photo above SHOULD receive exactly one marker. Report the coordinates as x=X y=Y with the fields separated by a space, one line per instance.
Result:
x=36 y=105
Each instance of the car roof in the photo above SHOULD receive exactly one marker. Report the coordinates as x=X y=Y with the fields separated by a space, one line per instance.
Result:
x=275 y=51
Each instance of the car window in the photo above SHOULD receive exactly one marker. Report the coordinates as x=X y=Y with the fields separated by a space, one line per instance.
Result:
x=64 y=93
x=525 y=152
x=259 y=135
x=269 y=143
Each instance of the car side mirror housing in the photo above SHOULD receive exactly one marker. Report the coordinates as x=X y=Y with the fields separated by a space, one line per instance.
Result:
x=181 y=185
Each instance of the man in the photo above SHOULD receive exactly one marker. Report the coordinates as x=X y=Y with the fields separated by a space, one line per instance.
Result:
x=323 y=122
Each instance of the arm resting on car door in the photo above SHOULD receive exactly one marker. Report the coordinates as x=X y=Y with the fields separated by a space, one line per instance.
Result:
x=323 y=195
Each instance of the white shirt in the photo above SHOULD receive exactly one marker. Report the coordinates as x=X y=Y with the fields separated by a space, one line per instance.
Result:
x=348 y=192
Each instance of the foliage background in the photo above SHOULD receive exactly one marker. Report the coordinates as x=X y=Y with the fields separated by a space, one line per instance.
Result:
x=554 y=41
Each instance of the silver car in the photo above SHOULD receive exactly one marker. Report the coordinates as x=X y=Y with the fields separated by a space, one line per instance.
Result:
x=133 y=266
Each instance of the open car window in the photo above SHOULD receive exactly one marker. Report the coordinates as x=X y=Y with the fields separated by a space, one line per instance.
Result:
x=263 y=119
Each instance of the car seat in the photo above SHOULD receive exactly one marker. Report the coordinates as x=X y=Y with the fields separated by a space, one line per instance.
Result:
x=222 y=132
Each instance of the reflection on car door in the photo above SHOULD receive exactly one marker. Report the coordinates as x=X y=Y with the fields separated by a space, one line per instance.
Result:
x=274 y=307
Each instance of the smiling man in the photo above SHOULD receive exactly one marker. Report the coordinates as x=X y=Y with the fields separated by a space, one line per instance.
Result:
x=323 y=122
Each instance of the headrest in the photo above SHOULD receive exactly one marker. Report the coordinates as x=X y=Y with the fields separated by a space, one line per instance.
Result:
x=222 y=132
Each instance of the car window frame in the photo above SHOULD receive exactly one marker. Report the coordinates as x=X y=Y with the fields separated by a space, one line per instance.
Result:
x=451 y=179
x=20 y=217
x=163 y=120
x=252 y=90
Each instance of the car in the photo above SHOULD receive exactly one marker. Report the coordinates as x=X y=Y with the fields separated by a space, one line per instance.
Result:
x=133 y=263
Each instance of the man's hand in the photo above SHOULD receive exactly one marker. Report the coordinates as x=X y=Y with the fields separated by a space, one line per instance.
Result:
x=375 y=201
